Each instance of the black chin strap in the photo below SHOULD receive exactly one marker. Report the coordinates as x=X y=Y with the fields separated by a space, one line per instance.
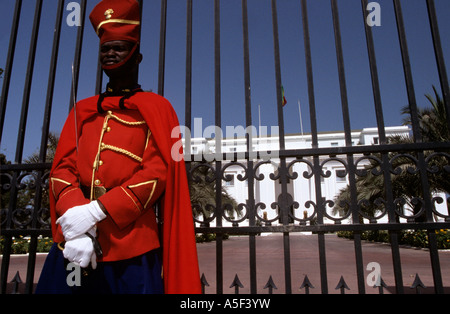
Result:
x=125 y=93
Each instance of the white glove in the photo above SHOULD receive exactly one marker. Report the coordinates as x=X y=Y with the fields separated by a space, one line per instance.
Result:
x=80 y=219
x=80 y=250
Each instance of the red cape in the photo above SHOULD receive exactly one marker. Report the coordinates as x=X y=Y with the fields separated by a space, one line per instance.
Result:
x=180 y=263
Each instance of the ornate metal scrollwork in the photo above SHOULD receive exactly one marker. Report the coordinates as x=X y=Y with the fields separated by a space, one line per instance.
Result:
x=403 y=162
x=375 y=169
x=337 y=220
x=437 y=162
x=371 y=215
x=413 y=203
x=200 y=175
x=208 y=212
x=306 y=174
x=21 y=210
x=230 y=209
x=260 y=176
x=440 y=200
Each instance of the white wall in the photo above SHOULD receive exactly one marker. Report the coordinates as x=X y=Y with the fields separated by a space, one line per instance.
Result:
x=302 y=189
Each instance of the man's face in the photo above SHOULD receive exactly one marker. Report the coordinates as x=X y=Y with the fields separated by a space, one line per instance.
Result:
x=114 y=52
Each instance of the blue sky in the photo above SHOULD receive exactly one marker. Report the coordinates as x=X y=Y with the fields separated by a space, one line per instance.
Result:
x=293 y=69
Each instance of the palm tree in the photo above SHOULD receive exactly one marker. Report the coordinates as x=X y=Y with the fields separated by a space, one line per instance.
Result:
x=202 y=188
x=52 y=143
x=406 y=184
x=432 y=121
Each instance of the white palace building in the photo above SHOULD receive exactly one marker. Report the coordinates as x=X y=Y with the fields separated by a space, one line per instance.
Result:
x=301 y=189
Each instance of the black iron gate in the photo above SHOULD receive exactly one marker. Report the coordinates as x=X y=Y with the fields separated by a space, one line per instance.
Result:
x=427 y=159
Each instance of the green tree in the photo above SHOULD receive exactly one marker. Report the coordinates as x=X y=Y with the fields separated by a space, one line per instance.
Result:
x=405 y=178
x=52 y=143
x=202 y=189
x=432 y=120
x=26 y=193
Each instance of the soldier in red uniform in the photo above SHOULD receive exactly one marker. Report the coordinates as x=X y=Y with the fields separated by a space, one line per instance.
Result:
x=112 y=166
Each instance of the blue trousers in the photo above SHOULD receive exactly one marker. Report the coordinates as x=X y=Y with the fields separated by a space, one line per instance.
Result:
x=138 y=275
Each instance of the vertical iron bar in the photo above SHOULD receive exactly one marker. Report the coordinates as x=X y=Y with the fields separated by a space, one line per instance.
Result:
x=77 y=57
x=51 y=82
x=434 y=256
x=374 y=76
x=417 y=135
x=162 y=47
x=43 y=149
x=314 y=143
x=348 y=142
x=21 y=135
x=28 y=80
x=386 y=167
x=6 y=257
x=283 y=203
x=188 y=81
x=278 y=81
x=217 y=73
x=218 y=122
x=432 y=239
x=188 y=88
x=309 y=75
x=188 y=91
x=341 y=72
x=9 y=64
x=32 y=248
x=443 y=77
x=247 y=84
x=250 y=136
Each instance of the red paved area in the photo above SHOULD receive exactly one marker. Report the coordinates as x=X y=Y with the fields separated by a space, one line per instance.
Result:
x=304 y=261
x=340 y=258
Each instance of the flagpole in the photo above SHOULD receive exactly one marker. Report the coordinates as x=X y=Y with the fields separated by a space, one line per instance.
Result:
x=300 y=114
x=259 y=116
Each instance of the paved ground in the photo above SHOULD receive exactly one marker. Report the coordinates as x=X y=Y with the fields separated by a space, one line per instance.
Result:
x=304 y=261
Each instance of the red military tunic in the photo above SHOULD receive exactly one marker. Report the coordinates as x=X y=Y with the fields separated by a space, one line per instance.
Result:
x=127 y=153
